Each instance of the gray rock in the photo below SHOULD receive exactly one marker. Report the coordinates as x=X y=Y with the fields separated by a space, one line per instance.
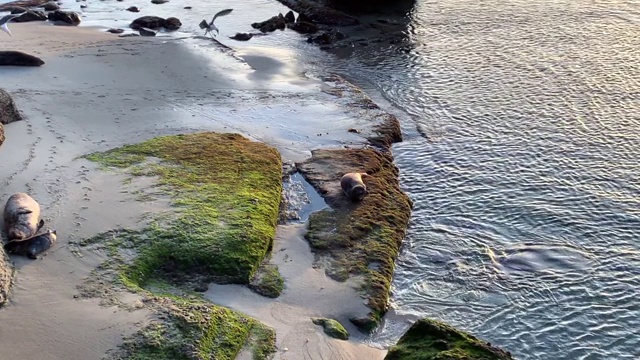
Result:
x=8 y=110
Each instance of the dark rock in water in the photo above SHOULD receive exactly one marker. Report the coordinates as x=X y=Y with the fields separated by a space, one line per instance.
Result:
x=147 y=32
x=51 y=6
x=133 y=9
x=17 y=10
x=289 y=17
x=430 y=339
x=304 y=18
x=31 y=15
x=327 y=38
x=303 y=27
x=241 y=36
x=129 y=35
x=83 y=6
x=273 y=24
x=187 y=8
x=59 y=17
x=151 y=22
x=8 y=111
x=172 y=23
x=320 y=14
x=115 y=31
x=159 y=1
x=17 y=58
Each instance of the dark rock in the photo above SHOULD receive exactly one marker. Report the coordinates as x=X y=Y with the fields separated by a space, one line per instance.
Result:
x=147 y=32
x=8 y=110
x=159 y=1
x=187 y=8
x=83 y=6
x=430 y=339
x=327 y=38
x=241 y=36
x=31 y=15
x=273 y=24
x=129 y=35
x=21 y=4
x=133 y=9
x=320 y=14
x=17 y=10
x=303 y=27
x=289 y=17
x=151 y=22
x=172 y=23
x=352 y=130
x=304 y=18
x=115 y=31
x=59 y=17
x=17 y=58
x=51 y=6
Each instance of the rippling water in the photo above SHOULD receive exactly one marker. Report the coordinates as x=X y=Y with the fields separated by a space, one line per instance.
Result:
x=526 y=181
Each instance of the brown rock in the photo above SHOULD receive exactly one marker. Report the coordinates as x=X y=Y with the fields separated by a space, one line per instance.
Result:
x=31 y=15
x=172 y=23
x=59 y=17
x=8 y=110
x=151 y=22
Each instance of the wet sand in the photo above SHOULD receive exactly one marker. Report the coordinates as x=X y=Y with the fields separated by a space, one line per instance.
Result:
x=97 y=91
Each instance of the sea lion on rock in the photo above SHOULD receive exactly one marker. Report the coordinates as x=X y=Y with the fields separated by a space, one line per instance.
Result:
x=21 y=217
x=33 y=246
x=353 y=186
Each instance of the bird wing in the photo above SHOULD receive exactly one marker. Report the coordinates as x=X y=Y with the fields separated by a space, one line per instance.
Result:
x=221 y=13
x=203 y=24
x=5 y=19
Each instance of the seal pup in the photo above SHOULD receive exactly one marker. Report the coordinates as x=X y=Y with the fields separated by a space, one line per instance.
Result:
x=353 y=186
x=33 y=246
x=21 y=217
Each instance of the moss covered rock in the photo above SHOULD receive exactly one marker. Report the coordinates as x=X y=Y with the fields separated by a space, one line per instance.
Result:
x=433 y=340
x=359 y=239
x=267 y=281
x=226 y=190
x=191 y=329
x=332 y=328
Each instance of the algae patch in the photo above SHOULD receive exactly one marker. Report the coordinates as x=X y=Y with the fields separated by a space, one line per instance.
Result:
x=332 y=328
x=433 y=340
x=267 y=281
x=226 y=191
x=359 y=239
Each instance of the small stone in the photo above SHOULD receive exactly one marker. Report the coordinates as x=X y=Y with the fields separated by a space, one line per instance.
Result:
x=241 y=36
x=159 y=1
x=352 y=130
x=133 y=9
x=187 y=8
x=115 y=31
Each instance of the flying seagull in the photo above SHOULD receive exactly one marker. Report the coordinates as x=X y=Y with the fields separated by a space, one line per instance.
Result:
x=210 y=27
x=4 y=22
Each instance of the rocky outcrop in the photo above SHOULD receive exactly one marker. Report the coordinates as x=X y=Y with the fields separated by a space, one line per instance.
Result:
x=8 y=110
x=303 y=27
x=270 y=25
x=319 y=13
x=332 y=328
x=31 y=15
x=155 y=23
x=430 y=339
x=6 y=270
x=17 y=58
x=64 y=18
x=22 y=4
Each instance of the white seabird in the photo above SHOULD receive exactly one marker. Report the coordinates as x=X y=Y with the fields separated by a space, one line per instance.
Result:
x=210 y=27
x=4 y=22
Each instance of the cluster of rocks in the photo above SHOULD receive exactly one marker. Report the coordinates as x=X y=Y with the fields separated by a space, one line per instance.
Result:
x=38 y=11
x=149 y=25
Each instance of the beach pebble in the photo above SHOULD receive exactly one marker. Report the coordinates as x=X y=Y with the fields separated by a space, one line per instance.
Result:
x=187 y=8
x=159 y=1
x=133 y=9
x=115 y=31
x=241 y=36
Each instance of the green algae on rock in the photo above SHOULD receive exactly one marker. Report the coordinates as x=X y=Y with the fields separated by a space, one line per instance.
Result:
x=226 y=190
x=332 y=328
x=189 y=328
x=267 y=281
x=359 y=239
x=429 y=339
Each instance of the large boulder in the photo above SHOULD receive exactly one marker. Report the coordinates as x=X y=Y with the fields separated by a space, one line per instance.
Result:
x=319 y=13
x=59 y=17
x=31 y=15
x=150 y=22
x=8 y=110
x=18 y=58
x=431 y=339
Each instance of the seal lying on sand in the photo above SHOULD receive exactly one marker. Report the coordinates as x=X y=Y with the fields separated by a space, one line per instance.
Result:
x=21 y=217
x=33 y=246
x=353 y=186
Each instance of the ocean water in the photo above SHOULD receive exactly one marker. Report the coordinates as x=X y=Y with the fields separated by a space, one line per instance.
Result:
x=522 y=140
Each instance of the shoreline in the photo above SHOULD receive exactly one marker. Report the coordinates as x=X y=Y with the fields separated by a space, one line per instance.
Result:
x=65 y=132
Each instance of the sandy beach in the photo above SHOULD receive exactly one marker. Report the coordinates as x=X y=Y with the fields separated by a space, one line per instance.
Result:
x=97 y=91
